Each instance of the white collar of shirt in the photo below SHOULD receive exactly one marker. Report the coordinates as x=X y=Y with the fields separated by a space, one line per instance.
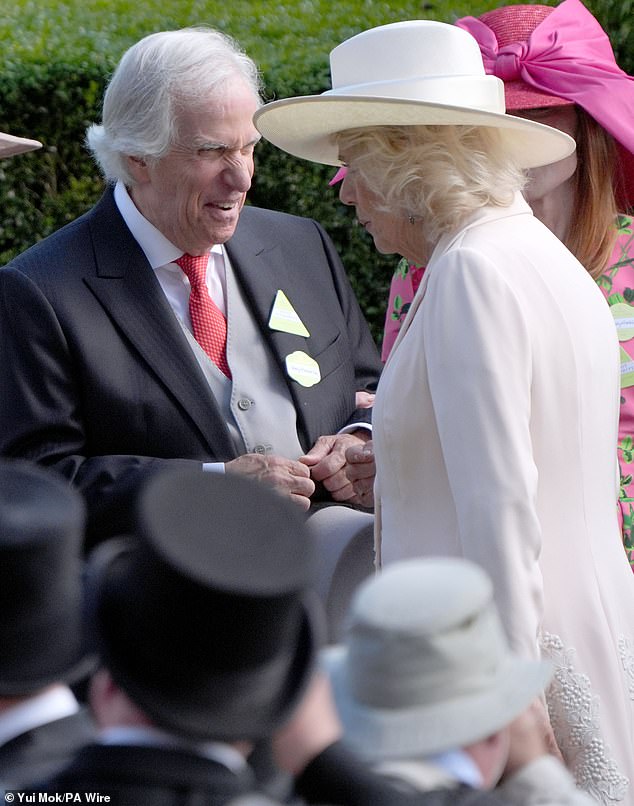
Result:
x=459 y=765
x=157 y=249
x=52 y=704
x=149 y=736
x=435 y=771
x=161 y=254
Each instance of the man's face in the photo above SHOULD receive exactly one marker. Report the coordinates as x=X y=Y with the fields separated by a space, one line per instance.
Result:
x=194 y=194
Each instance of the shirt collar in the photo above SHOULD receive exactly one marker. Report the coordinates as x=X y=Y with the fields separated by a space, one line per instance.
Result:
x=53 y=704
x=151 y=736
x=459 y=765
x=157 y=248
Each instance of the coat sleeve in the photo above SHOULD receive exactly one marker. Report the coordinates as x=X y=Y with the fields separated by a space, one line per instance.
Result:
x=367 y=364
x=41 y=417
x=337 y=776
x=478 y=354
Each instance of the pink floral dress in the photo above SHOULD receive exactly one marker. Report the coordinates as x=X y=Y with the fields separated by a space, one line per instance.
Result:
x=404 y=285
x=617 y=284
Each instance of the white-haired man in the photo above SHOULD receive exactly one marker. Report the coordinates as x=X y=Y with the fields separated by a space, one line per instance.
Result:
x=172 y=324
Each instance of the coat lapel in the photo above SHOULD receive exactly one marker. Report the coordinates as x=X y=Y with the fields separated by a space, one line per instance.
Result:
x=128 y=289
x=258 y=264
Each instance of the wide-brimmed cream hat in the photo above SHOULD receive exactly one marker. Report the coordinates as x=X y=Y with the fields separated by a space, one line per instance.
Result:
x=11 y=145
x=417 y=72
x=425 y=666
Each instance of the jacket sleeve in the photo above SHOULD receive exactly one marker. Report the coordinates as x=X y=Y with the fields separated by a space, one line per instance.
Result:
x=479 y=360
x=366 y=358
x=543 y=782
x=337 y=776
x=41 y=415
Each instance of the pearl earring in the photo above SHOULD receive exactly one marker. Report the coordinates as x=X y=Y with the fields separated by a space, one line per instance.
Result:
x=412 y=219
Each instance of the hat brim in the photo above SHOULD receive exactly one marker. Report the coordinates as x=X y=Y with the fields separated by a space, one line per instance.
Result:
x=10 y=145
x=521 y=97
x=70 y=665
x=305 y=126
x=389 y=733
x=202 y=703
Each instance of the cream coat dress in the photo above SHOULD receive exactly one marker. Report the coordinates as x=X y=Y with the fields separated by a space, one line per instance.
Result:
x=495 y=426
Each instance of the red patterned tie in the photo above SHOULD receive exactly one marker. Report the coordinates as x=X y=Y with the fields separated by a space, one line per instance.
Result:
x=210 y=326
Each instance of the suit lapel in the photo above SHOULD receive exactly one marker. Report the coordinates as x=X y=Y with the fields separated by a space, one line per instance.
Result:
x=258 y=264
x=128 y=289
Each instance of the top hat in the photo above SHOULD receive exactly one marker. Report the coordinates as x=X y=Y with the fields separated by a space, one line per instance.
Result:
x=556 y=57
x=417 y=72
x=11 y=145
x=203 y=616
x=41 y=535
x=426 y=666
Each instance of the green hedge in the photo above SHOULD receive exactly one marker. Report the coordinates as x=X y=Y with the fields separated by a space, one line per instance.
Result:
x=57 y=57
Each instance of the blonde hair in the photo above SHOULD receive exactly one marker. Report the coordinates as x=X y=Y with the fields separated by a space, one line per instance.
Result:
x=592 y=233
x=442 y=174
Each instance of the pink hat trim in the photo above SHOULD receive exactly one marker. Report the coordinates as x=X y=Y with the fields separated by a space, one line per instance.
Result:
x=567 y=55
x=338 y=176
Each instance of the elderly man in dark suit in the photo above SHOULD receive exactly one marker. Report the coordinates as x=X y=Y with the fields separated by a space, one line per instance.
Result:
x=171 y=325
x=41 y=533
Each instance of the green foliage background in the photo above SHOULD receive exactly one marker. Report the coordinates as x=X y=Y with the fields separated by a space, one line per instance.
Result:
x=57 y=57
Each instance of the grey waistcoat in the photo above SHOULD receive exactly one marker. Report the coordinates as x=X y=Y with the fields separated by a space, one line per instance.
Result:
x=256 y=403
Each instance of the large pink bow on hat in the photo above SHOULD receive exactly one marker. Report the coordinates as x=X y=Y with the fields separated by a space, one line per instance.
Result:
x=568 y=55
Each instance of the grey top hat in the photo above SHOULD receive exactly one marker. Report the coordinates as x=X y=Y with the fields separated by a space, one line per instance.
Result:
x=204 y=617
x=41 y=535
x=426 y=667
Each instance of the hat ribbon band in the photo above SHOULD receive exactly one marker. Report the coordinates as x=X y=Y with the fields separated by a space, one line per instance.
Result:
x=567 y=55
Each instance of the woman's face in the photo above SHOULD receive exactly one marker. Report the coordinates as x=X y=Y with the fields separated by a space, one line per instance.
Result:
x=558 y=176
x=392 y=233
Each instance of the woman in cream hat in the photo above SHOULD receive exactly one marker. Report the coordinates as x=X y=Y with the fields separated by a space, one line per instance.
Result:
x=558 y=67
x=496 y=415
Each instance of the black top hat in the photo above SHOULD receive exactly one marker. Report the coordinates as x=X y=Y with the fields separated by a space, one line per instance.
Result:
x=41 y=535
x=202 y=617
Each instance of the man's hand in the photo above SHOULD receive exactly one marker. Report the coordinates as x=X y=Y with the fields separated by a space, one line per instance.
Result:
x=285 y=475
x=328 y=464
x=364 y=400
x=531 y=736
x=313 y=727
x=361 y=470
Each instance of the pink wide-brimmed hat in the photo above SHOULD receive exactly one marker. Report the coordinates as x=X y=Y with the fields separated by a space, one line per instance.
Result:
x=560 y=56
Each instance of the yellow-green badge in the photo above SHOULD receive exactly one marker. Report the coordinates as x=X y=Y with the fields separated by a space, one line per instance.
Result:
x=302 y=368
x=624 y=319
x=284 y=317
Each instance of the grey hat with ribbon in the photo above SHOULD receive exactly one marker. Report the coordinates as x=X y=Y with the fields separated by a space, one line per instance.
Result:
x=426 y=666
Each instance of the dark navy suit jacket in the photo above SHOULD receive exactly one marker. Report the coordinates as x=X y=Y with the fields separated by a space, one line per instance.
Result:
x=40 y=752
x=98 y=381
x=153 y=776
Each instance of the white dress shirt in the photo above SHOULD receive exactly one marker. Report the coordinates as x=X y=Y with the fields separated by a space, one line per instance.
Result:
x=56 y=702
x=150 y=736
